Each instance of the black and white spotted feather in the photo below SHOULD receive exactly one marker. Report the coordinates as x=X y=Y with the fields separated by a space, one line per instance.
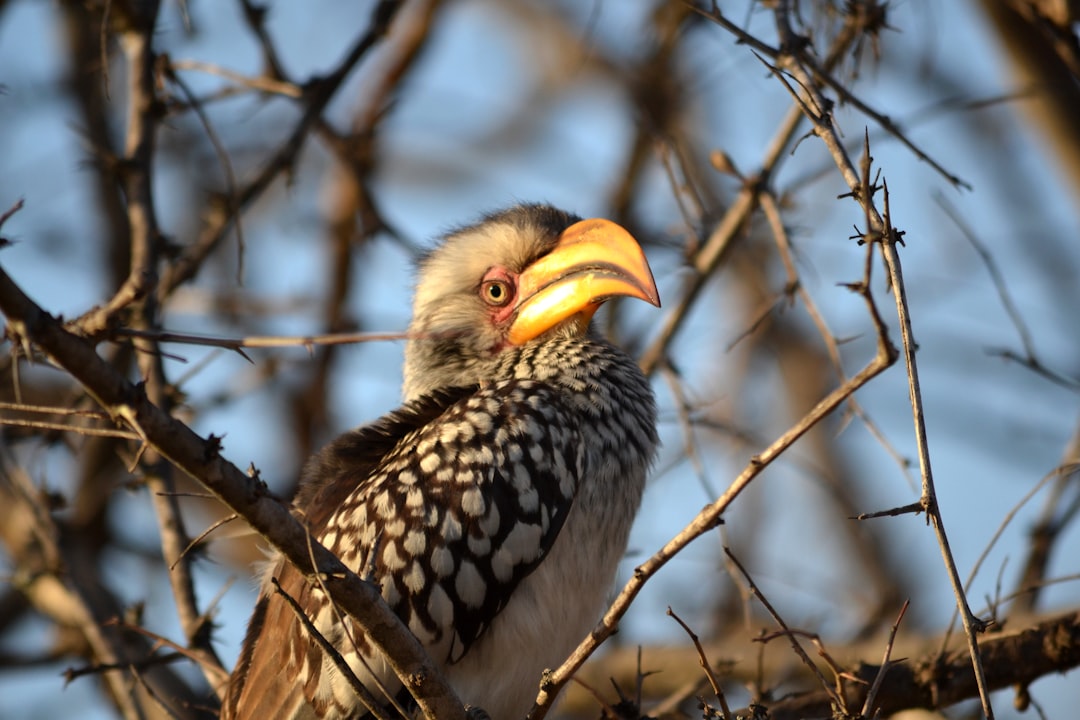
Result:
x=492 y=517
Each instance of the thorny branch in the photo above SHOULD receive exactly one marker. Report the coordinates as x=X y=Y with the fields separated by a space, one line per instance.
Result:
x=721 y=238
x=809 y=103
x=146 y=410
x=317 y=95
x=57 y=579
x=880 y=231
x=201 y=460
x=709 y=518
x=836 y=699
x=136 y=43
x=934 y=680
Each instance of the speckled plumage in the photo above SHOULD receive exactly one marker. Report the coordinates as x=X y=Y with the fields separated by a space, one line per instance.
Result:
x=492 y=509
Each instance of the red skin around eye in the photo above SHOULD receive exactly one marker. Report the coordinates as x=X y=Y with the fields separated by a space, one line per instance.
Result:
x=500 y=314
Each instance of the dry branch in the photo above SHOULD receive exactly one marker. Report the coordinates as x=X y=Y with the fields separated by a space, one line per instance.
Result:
x=201 y=459
x=1029 y=648
x=1009 y=659
x=709 y=518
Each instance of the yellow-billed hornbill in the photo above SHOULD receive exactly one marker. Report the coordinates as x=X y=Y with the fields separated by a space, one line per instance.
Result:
x=493 y=507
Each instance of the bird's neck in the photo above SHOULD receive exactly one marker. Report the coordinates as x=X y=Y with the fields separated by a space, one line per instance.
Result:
x=558 y=359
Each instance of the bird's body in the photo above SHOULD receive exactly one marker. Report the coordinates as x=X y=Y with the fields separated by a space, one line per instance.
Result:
x=493 y=508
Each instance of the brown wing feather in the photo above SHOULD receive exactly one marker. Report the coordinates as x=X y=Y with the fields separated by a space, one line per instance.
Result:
x=449 y=503
x=276 y=652
x=277 y=649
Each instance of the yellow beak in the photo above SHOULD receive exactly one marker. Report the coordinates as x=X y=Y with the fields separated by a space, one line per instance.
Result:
x=594 y=261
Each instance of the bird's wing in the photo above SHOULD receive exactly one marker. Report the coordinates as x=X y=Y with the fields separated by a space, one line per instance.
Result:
x=447 y=505
x=459 y=511
x=280 y=670
x=269 y=678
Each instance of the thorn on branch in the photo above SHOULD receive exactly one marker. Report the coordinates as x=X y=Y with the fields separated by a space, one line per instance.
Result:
x=859 y=236
x=255 y=11
x=723 y=163
x=914 y=508
x=1022 y=699
x=871 y=16
x=794 y=44
x=212 y=450
x=7 y=214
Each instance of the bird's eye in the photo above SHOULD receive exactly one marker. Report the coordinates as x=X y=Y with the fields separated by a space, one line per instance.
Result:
x=496 y=292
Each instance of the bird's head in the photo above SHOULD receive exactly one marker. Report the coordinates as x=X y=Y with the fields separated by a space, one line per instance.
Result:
x=520 y=276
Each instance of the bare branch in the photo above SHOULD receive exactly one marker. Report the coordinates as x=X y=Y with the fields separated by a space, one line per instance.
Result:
x=201 y=460
x=708 y=519
x=705 y=665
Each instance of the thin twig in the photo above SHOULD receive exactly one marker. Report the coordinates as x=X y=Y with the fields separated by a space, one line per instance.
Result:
x=1033 y=364
x=195 y=541
x=871 y=695
x=317 y=96
x=261 y=341
x=992 y=268
x=710 y=517
x=219 y=674
x=703 y=660
x=15 y=207
x=76 y=429
x=720 y=241
x=331 y=652
x=262 y=84
x=837 y=697
x=223 y=159
x=686 y=425
x=54 y=410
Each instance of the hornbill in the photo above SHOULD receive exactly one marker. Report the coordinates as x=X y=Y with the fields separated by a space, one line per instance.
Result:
x=493 y=507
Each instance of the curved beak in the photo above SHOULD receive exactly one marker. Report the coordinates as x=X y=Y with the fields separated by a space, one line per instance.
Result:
x=593 y=261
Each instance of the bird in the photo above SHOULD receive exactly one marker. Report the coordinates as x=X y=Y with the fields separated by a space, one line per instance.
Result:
x=492 y=509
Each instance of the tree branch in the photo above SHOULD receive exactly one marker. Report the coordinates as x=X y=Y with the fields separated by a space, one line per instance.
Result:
x=201 y=459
